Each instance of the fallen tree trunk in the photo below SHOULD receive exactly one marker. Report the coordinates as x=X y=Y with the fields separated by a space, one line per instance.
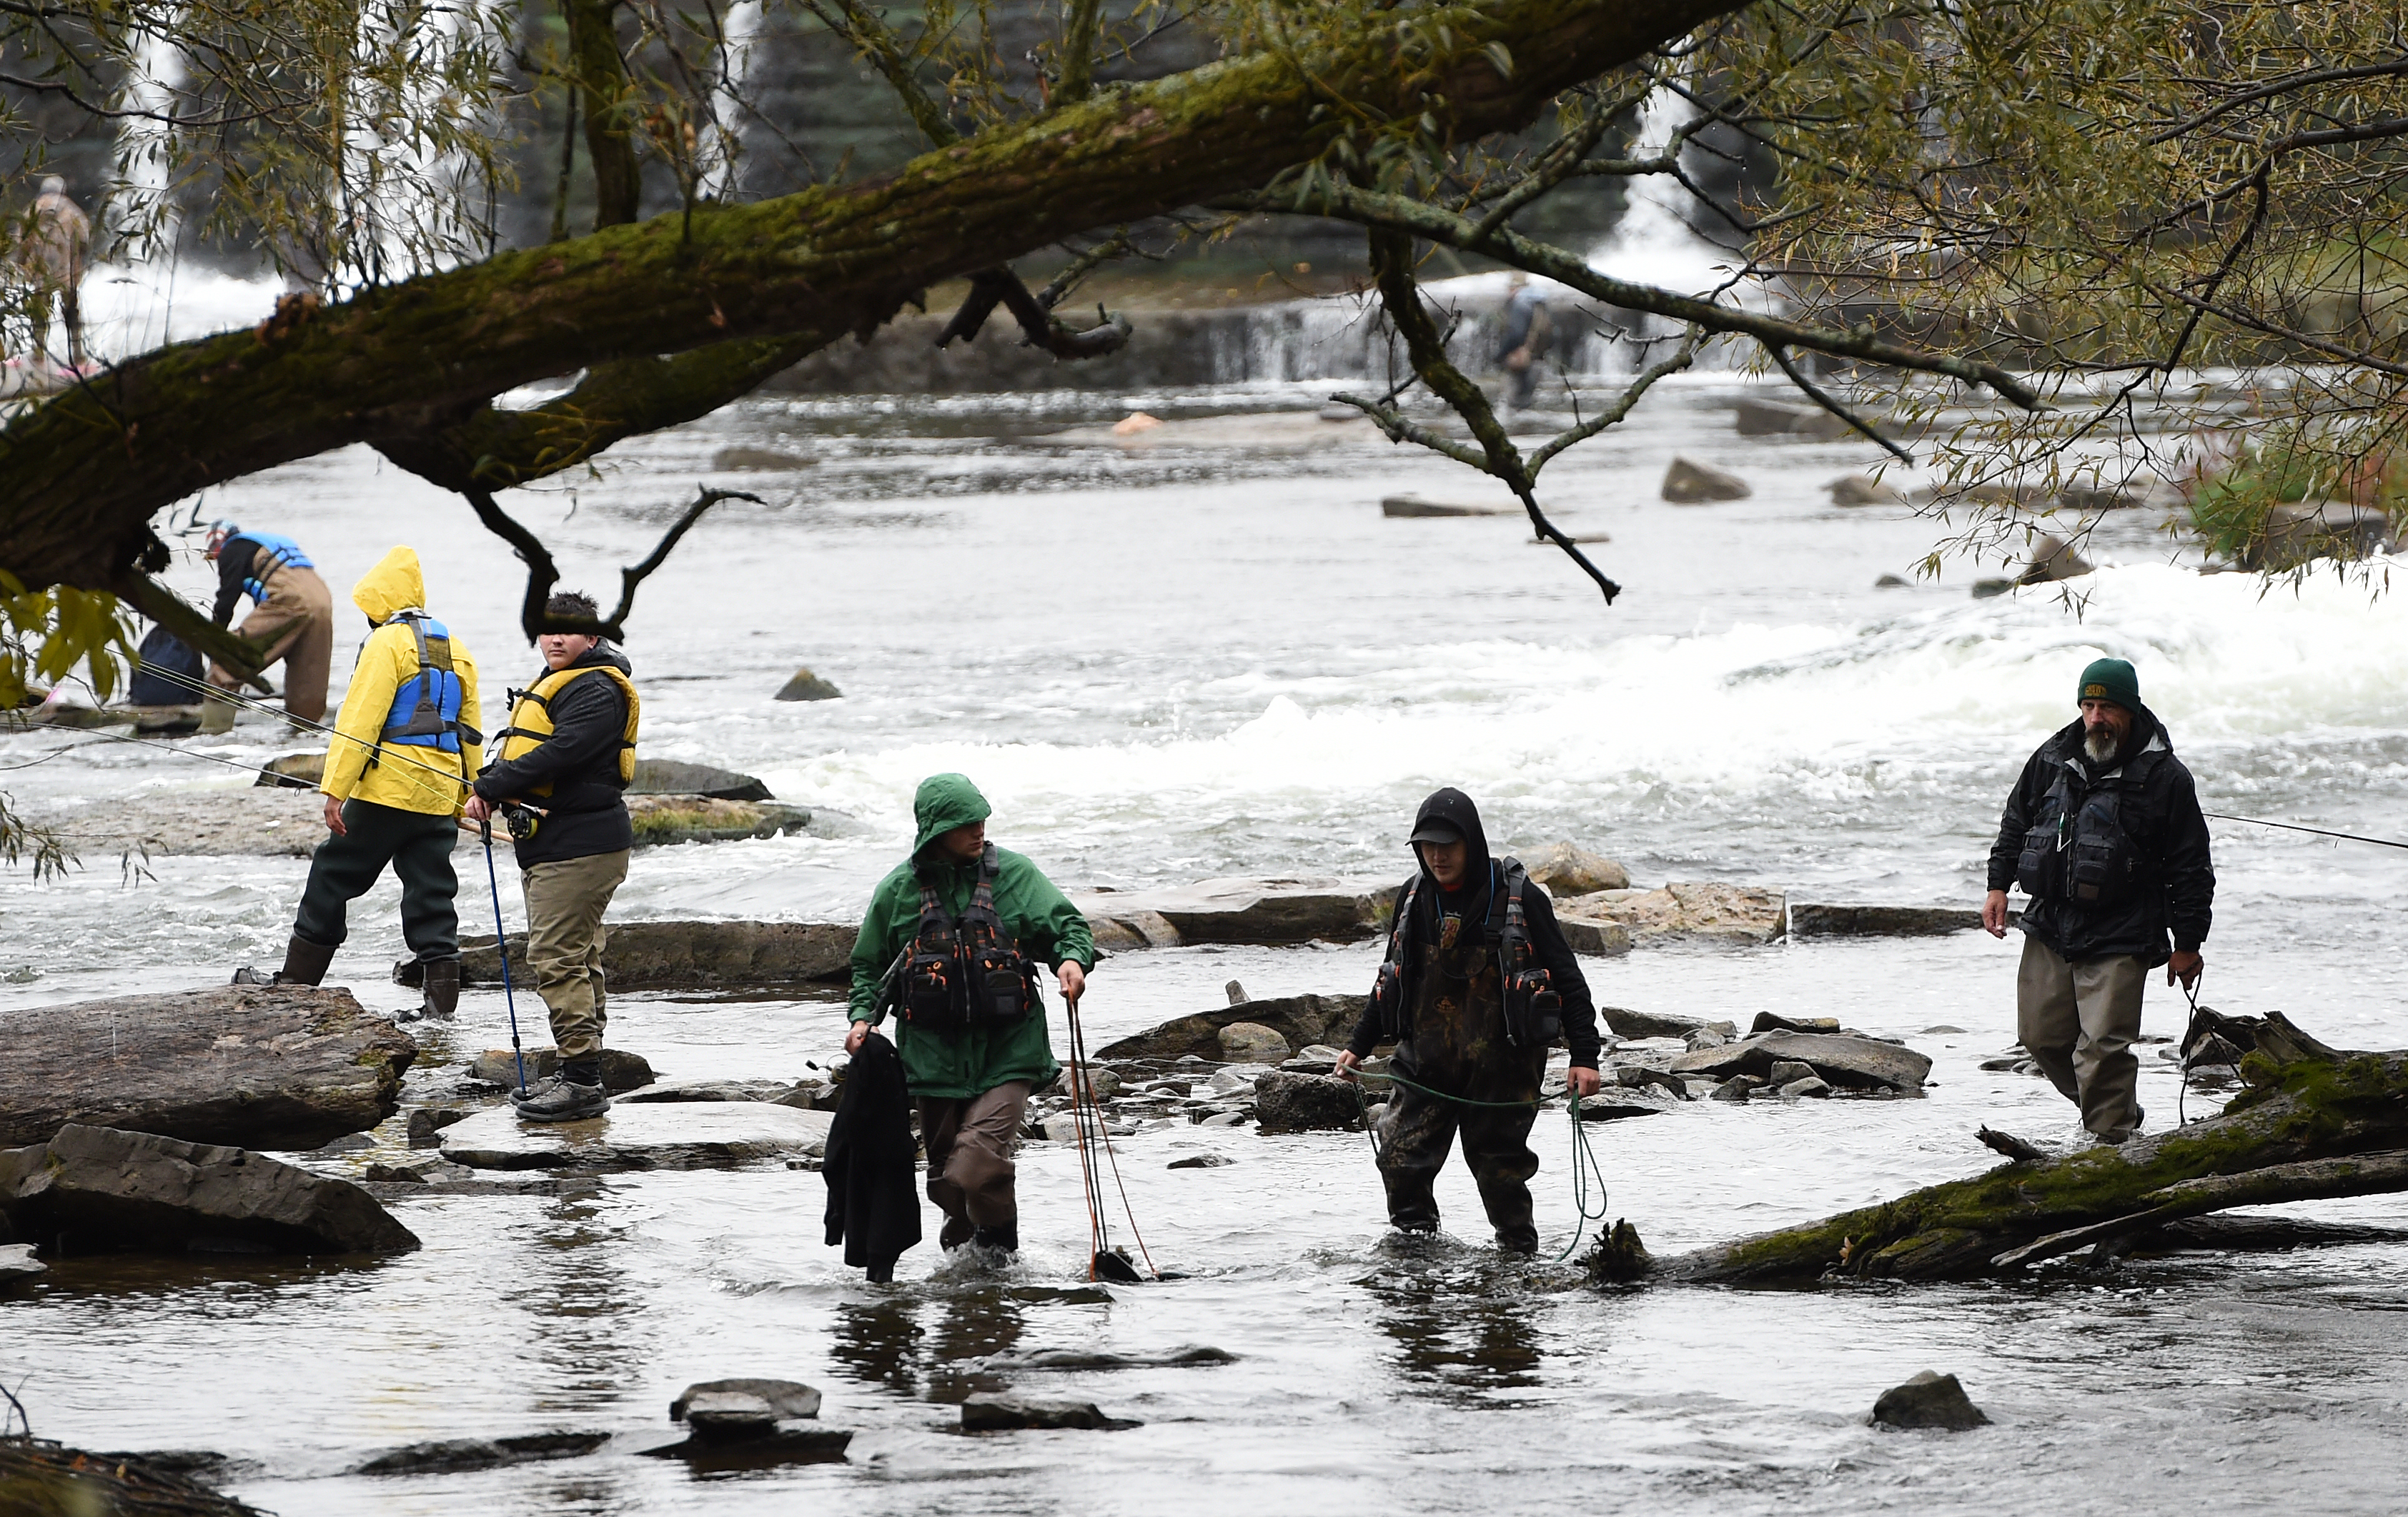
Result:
x=42 y=1478
x=2321 y=1125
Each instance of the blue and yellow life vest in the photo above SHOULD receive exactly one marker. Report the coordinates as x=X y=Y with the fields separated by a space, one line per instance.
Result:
x=282 y=554
x=427 y=707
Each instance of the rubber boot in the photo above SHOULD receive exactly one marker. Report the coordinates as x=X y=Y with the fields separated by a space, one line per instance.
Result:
x=1003 y=1235
x=217 y=715
x=305 y=963
x=440 y=989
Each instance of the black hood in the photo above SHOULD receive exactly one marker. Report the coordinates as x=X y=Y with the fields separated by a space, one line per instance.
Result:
x=1454 y=808
x=603 y=655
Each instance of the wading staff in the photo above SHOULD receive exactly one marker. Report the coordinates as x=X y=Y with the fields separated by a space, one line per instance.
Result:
x=502 y=943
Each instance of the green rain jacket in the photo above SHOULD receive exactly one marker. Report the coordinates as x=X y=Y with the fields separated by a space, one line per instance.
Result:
x=955 y=1065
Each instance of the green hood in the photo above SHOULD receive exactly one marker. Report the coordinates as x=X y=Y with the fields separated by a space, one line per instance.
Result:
x=946 y=801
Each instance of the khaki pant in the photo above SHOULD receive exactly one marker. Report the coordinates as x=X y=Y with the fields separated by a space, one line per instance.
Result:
x=2077 y=1021
x=970 y=1144
x=295 y=623
x=564 y=902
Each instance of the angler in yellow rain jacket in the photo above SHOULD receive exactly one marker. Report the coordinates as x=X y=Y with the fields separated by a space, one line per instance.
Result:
x=406 y=748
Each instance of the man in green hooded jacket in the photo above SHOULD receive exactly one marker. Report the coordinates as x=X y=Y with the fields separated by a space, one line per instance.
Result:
x=971 y=1075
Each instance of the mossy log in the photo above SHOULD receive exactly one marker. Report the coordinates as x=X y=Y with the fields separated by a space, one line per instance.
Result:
x=2317 y=1126
x=82 y=474
x=42 y=1478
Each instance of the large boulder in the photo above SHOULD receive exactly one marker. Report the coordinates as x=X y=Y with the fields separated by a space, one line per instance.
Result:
x=1567 y=869
x=1928 y=1400
x=2298 y=533
x=1248 y=913
x=807 y=686
x=699 y=1135
x=1301 y=1021
x=1689 y=483
x=282 y=1066
x=1625 y=1022
x=96 y=1189
x=993 y=1412
x=1285 y=1103
x=1583 y=934
x=1250 y=1042
x=620 y=1069
x=675 y=777
x=1708 y=910
x=1881 y=921
x=2053 y=559
x=1864 y=490
x=665 y=821
x=681 y=955
x=1846 y=1062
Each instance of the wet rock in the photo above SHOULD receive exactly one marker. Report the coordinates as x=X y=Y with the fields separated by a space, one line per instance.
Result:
x=811 y=1095
x=417 y=1172
x=427 y=1121
x=1810 y=1088
x=1319 y=1059
x=682 y=955
x=704 y=1135
x=729 y=1401
x=1772 y=1021
x=260 y=822
x=1709 y=912
x=18 y=1264
x=1928 y=1400
x=42 y=1478
x=1299 y=1019
x=996 y=1411
x=1194 y=1353
x=1605 y=940
x=755 y=460
x=1062 y=1127
x=620 y=1069
x=1250 y=1042
x=1892 y=581
x=1614 y=1102
x=286 y=1068
x=457 y=1453
x=93 y=1190
x=1774 y=419
x=2098 y=496
x=674 y=777
x=1639 y=1076
x=1787 y=1071
x=1285 y=1103
x=1845 y=1061
x=1222 y=1119
x=1244 y=912
x=671 y=1092
x=1991 y=589
x=294 y=771
x=1624 y=1022
x=1939 y=1029
x=669 y=821
x=1864 y=490
x=706 y=1454
x=1879 y=921
x=1200 y=1161
x=1704 y=1038
x=2053 y=559
x=1102 y=1084
x=807 y=686
x=1689 y=483
x=1414 y=505
x=1566 y=869
x=2307 y=530
x=1738 y=1088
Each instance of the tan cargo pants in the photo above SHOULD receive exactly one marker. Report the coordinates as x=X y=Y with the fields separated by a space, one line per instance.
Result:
x=564 y=902
x=970 y=1146
x=2077 y=1021
x=296 y=624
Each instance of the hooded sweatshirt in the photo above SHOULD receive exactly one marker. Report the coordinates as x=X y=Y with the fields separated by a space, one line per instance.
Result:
x=407 y=778
x=2158 y=812
x=1472 y=919
x=586 y=812
x=960 y=1063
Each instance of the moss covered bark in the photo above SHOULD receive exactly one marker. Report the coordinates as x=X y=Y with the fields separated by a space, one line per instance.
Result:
x=80 y=474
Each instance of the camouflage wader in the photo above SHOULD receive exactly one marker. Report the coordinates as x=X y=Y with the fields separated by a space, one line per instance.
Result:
x=1456 y=1044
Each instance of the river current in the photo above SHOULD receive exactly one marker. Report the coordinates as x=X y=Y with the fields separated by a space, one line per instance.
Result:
x=1172 y=659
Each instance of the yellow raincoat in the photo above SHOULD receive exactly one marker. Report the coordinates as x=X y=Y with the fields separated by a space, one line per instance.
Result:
x=406 y=777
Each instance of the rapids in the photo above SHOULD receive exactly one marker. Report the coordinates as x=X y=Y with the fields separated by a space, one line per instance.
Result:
x=1164 y=662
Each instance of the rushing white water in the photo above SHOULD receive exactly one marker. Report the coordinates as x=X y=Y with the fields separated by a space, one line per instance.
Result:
x=1165 y=661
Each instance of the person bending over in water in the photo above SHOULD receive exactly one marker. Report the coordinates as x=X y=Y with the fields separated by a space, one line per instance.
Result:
x=1477 y=985
x=952 y=943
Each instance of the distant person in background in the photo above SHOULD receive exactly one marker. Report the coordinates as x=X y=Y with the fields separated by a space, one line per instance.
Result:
x=561 y=771
x=292 y=618
x=56 y=254
x=1523 y=346
x=2103 y=831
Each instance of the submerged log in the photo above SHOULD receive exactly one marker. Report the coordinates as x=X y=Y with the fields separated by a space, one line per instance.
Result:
x=2314 y=1123
x=39 y=1477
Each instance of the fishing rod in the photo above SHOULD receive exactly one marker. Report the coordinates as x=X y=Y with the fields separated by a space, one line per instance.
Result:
x=2293 y=826
x=1103 y=1261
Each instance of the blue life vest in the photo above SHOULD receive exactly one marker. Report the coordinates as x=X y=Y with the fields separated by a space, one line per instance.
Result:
x=282 y=554
x=426 y=709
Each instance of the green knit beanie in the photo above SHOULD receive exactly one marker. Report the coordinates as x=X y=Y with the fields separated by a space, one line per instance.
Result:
x=2110 y=679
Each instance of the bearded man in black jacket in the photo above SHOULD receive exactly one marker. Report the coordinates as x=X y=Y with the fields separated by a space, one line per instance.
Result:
x=2103 y=831
x=1477 y=986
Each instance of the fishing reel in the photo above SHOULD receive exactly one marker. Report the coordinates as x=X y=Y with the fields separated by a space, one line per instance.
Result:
x=520 y=821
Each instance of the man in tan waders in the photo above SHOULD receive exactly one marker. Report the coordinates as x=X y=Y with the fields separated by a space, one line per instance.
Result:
x=291 y=618
x=56 y=253
x=2104 y=832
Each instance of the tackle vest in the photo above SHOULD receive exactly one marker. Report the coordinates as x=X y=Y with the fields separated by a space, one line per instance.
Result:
x=427 y=707
x=965 y=971
x=282 y=554
x=531 y=723
x=2076 y=848
x=1533 y=1007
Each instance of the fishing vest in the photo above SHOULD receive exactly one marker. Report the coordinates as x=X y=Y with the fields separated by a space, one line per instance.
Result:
x=1533 y=1007
x=531 y=724
x=965 y=971
x=2076 y=848
x=282 y=554
x=425 y=711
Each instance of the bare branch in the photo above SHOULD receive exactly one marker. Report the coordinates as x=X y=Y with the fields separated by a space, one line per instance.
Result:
x=542 y=573
x=1816 y=394
x=1682 y=358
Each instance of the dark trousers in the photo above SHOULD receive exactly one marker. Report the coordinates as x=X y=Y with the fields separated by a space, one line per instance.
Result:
x=419 y=849
x=1416 y=1133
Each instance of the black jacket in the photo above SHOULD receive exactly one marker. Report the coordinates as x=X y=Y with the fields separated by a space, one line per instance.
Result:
x=1483 y=909
x=2158 y=813
x=873 y=1207
x=236 y=556
x=586 y=811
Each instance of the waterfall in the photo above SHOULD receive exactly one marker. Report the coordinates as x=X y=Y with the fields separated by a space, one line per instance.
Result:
x=721 y=151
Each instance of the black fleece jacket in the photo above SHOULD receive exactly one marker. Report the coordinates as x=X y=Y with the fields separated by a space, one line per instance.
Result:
x=2159 y=815
x=873 y=1207
x=1483 y=916
x=586 y=813
x=236 y=556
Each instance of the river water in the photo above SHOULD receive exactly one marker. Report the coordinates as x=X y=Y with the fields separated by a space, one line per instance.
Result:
x=1173 y=660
